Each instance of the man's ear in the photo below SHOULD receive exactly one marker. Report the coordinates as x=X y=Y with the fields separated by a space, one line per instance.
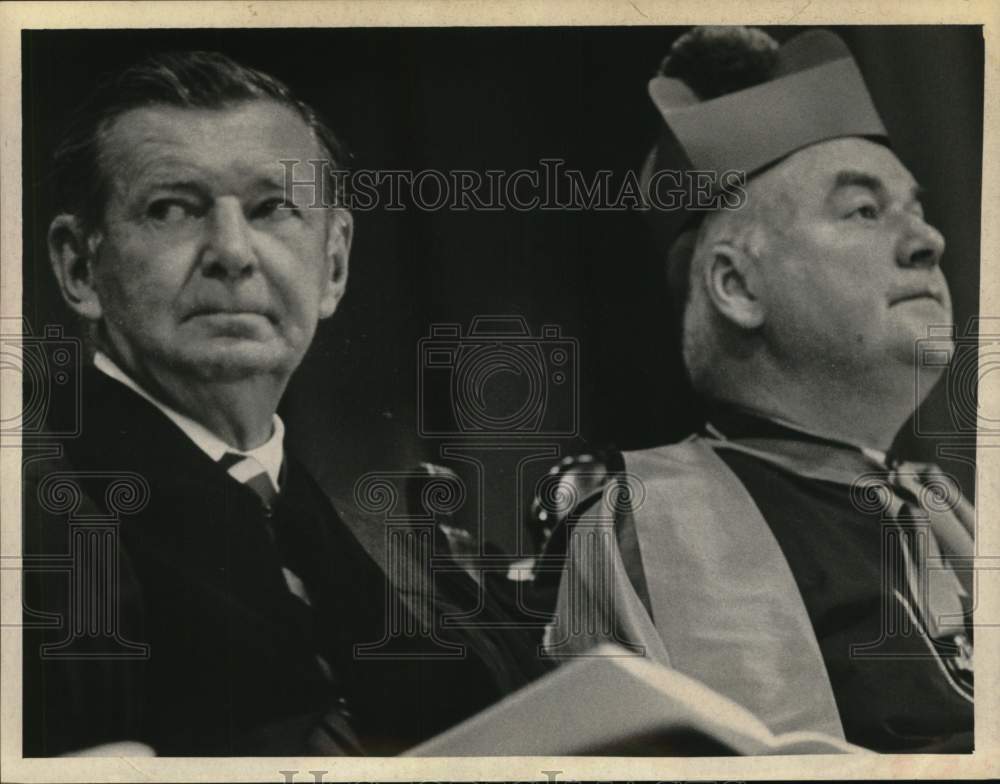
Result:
x=733 y=282
x=71 y=253
x=338 y=250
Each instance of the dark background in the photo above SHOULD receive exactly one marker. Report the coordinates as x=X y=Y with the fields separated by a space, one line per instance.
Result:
x=504 y=99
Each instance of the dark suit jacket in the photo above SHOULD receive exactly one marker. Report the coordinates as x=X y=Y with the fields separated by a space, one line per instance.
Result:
x=231 y=666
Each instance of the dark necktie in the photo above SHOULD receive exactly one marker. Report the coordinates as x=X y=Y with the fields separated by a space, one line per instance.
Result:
x=249 y=472
x=333 y=734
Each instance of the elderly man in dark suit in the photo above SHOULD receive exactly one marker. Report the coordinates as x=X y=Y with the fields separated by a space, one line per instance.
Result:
x=240 y=594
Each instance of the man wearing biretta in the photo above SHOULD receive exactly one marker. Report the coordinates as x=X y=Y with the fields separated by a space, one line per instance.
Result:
x=783 y=555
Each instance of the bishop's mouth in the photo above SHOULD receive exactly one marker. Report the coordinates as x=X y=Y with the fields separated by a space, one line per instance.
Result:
x=916 y=296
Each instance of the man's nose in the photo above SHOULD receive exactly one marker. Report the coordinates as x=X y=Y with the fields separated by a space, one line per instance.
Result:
x=921 y=246
x=228 y=252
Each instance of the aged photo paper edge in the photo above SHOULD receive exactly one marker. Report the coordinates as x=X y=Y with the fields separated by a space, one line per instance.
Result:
x=14 y=17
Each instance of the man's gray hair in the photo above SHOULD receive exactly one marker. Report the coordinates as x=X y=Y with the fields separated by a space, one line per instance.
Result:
x=190 y=80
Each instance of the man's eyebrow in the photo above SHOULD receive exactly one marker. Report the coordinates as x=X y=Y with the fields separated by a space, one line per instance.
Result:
x=173 y=185
x=268 y=182
x=145 y=183
x=849 y=178
x=858 y=179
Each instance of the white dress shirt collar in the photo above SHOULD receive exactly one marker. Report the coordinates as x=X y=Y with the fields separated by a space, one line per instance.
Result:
x=270 y=454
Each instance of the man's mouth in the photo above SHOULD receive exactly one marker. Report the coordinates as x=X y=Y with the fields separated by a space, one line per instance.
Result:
x=232 y=312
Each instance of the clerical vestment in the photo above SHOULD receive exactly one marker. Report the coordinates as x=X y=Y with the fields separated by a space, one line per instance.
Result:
x=808 y=580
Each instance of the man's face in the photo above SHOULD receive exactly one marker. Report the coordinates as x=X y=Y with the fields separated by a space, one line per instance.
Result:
x=203 y=270
x=851 y=271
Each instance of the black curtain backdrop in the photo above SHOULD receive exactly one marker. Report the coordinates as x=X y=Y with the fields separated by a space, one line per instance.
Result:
x=467 y=98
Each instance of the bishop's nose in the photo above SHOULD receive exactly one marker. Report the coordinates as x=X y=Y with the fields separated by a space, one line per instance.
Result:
x=921 y=247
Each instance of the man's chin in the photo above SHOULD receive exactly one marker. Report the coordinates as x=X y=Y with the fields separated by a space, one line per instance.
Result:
x=921 y=360
x=235 y=360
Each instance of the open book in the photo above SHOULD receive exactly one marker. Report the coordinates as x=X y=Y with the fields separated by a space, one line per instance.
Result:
x=614 y=703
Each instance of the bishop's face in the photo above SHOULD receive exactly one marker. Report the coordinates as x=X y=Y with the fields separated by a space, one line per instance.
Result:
x=852 y=275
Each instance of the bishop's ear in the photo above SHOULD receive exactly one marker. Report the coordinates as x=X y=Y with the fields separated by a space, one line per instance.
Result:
x=733 y=282
x=71 y=253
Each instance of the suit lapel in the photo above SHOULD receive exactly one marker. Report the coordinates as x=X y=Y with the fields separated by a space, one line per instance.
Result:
x=201 y=526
